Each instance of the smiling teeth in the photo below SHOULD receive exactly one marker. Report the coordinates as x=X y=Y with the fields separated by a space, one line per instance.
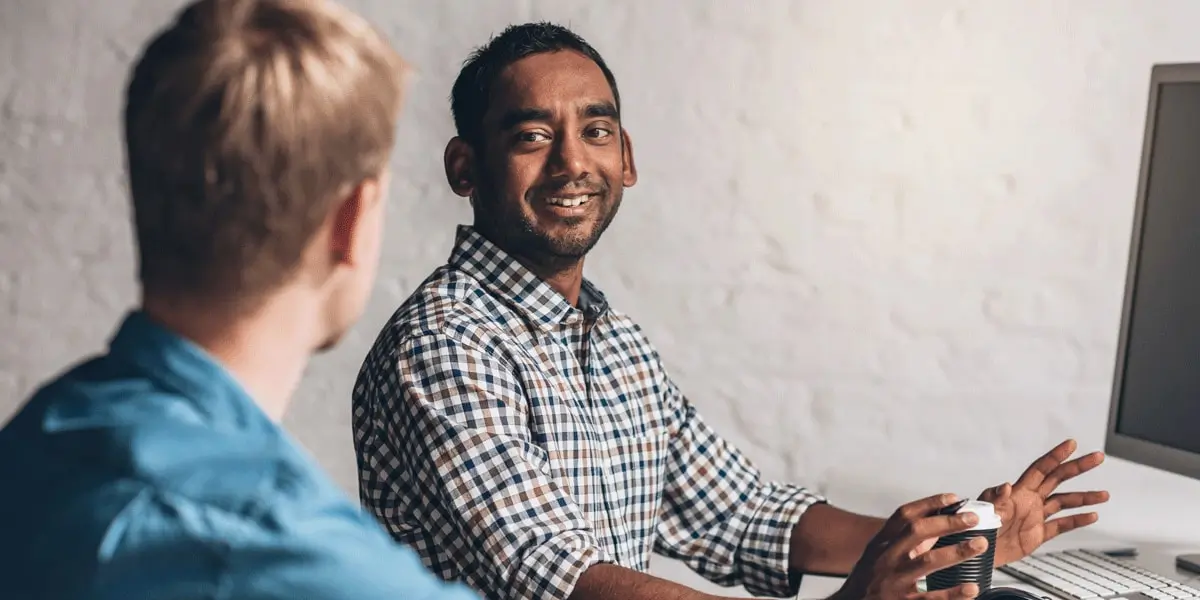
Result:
x=568 y=202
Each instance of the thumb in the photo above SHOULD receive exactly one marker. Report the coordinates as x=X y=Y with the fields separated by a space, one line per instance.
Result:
x=999 y=492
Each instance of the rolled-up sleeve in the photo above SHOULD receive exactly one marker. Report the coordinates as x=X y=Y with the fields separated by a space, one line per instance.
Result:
x=719 y=516
x=461 y=418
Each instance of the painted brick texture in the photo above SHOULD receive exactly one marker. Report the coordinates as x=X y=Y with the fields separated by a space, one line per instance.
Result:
x=881 y=245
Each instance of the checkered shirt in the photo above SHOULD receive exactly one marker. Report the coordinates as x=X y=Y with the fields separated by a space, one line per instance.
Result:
x=513 y=440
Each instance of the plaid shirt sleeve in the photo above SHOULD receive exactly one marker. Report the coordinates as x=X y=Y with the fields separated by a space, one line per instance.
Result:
x=512 y=530
x=719 y=517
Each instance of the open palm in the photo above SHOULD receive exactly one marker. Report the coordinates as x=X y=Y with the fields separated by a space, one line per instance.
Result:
x=1027 y=507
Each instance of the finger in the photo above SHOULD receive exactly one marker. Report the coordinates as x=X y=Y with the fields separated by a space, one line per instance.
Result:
x=923 y=547
x=966 y=591
x=1068 y=500
x=918 y=509
x=934 y=527
x=1070 y=470
x=947 y=556
x=1061 y=525
x=1037 y=472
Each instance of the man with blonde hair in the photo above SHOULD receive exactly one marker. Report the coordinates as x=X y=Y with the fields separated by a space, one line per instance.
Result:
x=258 y=134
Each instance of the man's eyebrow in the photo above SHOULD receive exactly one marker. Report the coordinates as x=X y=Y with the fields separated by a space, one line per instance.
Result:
x=517 y=116
x=601 y=110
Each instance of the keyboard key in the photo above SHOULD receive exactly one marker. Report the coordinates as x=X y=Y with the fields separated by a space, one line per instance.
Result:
x=1159 y=595
x=1179 y=593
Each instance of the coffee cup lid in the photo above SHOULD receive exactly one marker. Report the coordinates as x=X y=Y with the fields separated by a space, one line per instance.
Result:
x=988 y=519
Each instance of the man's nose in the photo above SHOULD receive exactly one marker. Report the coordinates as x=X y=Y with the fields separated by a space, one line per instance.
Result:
x=569 y=158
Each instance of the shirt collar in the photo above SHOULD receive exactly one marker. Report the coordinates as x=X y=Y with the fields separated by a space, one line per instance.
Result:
x=508 y=279
x=184 y=367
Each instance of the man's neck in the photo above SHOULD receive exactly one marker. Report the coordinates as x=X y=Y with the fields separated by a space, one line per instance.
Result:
x=564 y=275
x=266 y=351
x=566 y=281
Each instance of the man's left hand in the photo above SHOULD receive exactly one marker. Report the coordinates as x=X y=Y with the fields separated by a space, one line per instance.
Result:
x=1026 y=508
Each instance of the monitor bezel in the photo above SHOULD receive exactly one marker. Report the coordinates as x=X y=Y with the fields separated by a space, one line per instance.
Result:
x=1117 y=444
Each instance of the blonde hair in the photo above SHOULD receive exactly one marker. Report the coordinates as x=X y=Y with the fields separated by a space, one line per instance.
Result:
x=245 y=123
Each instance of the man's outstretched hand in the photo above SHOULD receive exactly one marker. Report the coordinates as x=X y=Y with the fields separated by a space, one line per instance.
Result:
x=1028 y=507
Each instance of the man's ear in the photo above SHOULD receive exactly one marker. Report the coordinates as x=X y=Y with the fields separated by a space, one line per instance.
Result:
x=352 y=217
x=628 y=166
x=459 y=160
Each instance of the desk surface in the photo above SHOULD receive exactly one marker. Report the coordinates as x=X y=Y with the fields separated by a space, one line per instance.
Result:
x=822 y=587
x=1157 y=512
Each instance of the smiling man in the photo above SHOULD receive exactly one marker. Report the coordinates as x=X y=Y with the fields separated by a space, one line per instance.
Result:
x=523 y=436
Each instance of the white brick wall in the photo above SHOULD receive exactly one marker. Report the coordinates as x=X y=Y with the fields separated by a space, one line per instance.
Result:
x=880 y=244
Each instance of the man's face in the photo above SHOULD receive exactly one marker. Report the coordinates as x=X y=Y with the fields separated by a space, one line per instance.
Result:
x=554 y=161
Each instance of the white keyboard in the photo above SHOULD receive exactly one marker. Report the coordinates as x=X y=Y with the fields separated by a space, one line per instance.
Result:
x=1087 y=575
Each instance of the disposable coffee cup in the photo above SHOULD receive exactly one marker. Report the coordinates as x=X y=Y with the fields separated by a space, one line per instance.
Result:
x=977 y=570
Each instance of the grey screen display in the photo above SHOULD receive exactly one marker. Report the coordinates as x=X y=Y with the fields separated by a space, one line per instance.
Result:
x=1160 y=390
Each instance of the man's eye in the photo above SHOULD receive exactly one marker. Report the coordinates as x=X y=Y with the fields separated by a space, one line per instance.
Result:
x=599 y=133
x=532 y=137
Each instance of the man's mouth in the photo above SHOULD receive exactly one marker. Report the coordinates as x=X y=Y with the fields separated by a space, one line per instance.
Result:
x=569 y=201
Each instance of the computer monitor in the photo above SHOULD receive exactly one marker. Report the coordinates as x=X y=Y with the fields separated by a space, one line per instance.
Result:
x=1154 y=417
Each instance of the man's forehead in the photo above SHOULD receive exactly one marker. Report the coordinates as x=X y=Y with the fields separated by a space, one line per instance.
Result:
x=563 y=80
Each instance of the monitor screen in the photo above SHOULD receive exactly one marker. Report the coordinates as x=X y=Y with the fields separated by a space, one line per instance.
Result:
x=1158 y=392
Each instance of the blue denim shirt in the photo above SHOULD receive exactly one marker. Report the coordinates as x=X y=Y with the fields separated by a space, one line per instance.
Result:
x=149 y=473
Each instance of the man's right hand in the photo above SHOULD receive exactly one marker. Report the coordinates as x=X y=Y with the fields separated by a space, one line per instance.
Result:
x=900 y=554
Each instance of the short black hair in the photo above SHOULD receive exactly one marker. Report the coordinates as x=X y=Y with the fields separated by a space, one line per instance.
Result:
x=472 y=89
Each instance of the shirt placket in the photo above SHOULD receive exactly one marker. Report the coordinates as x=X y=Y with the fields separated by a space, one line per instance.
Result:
x=594 y=390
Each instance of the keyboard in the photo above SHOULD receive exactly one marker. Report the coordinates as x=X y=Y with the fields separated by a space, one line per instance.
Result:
x=1087 y=575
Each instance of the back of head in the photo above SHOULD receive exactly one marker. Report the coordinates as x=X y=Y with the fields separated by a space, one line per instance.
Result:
x=246 y=121
x=472 y=89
